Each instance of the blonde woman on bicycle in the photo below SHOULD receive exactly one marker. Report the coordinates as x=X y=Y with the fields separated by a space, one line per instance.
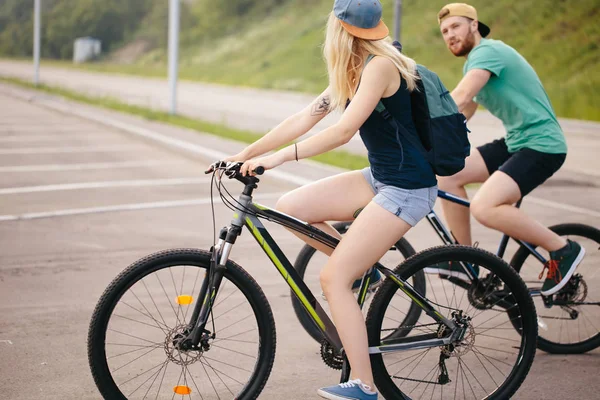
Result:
x=395 y=192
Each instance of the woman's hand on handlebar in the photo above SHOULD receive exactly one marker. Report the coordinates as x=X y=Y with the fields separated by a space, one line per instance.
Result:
x=267 y=162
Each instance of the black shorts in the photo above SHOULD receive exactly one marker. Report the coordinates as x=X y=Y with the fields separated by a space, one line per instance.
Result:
x=529 y=168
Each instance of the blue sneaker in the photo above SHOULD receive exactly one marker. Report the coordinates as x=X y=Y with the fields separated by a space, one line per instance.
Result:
x=376 y=281
x=351 y=390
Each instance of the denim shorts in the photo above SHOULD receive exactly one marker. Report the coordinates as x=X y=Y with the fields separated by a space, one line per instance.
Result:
x=411 y=205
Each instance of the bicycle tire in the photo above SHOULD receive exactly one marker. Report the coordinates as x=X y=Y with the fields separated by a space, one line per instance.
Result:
x=496 y=266
x=301 y=264
x=252 y=292
x=517 y=263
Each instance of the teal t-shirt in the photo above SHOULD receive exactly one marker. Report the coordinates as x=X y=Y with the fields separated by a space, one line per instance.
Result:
x=515 y=95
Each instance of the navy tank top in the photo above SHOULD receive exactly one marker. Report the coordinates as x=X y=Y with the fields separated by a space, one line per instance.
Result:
x=394 y=159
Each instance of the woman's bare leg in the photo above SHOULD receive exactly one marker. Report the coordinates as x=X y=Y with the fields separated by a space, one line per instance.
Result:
x=336 y=198
x=368 y=238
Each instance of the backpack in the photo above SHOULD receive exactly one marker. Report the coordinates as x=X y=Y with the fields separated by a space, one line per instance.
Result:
x=442 y=130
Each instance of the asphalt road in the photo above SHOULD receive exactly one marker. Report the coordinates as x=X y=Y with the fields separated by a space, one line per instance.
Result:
x=86 y=192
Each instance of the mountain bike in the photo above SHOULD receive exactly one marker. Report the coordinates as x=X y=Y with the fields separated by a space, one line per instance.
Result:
x=194 y=323
x=569 y=320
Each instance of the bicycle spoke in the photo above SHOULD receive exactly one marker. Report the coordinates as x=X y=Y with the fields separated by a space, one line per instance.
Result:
x=153 y=302
x=186 y=369
x=176 y=293
x=142 y=373
x=233 y=351
x=416 y=364
x=168 y=299
x=135 y=359
x=150 y=377
x=161 y=381
x=425 y=378
x=485 y=368
x=501 y=338
x=219 y=301
x=485 y=329
x=193 y=292
x=223 y=362
x=221 y=379
x=135 y=345
x=460 y=362
x=230 y=325
x=228 y=311
x=407 y=358
x=493 y=358
x=493 y=349
x=222 y=373
x=139 y=322
x=131 y=351
x=178 y=382
x=135 y=337
x=147 y=315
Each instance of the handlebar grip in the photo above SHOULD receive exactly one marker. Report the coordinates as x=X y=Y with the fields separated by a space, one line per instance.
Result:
x=259 y=170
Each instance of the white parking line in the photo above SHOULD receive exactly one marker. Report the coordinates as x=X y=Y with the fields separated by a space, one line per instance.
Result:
x=37 y=138
x=562 y=206
x=211 y=154
x=105 y=184
x=123 y=207
x=69 y=149
x=216 y=155
x=82 y=167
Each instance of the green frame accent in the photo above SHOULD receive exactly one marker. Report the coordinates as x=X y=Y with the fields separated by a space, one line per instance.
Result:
x=306 y=297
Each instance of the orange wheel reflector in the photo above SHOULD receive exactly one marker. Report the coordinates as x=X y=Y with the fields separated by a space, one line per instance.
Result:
x=182 y=390
x=184 y=300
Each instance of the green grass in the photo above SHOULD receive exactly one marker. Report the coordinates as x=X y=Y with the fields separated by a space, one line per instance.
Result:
x=282 y=49
x=337 y=158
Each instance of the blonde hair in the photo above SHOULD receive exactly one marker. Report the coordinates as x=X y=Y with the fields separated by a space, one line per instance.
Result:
x=346 y=55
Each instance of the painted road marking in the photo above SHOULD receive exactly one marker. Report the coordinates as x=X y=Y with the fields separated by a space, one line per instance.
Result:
x=212 y=154
x=123 y=207
x=85 y=166
x=69 y=149
x=105 y=184
x=36 y=138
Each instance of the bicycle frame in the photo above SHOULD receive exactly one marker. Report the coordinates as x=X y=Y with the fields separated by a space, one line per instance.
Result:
x=447 y=238
x=248 y=215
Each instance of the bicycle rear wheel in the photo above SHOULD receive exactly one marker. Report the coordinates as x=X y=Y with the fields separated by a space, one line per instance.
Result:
x=490 y=362
x=571 y=323
x=131 y=349
x=309 y=265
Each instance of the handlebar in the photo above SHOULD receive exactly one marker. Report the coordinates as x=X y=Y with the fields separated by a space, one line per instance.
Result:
x=231 y=168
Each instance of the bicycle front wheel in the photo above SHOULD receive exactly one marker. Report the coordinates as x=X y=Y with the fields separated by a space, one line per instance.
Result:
x=491 y=360
x=131 y=341
x=570 y=323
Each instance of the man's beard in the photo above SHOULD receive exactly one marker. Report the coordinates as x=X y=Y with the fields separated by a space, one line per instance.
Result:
x=465 y=46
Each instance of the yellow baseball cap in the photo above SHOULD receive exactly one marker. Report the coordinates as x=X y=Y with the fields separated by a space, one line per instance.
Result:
x=462 y=10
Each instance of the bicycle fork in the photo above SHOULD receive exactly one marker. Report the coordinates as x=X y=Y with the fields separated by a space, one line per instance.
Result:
x=210 y=287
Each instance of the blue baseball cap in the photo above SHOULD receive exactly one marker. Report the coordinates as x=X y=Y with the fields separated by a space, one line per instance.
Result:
x=361 y=18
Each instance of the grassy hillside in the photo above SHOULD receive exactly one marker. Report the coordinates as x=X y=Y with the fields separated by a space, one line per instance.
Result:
x=276 y=44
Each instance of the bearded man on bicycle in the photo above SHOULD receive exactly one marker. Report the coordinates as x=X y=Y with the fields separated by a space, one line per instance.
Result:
x=500 y=79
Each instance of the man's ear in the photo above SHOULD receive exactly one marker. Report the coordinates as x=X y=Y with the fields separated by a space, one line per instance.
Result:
x=474 y=26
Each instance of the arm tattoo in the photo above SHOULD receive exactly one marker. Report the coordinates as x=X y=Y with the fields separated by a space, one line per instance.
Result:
x=321 y=106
